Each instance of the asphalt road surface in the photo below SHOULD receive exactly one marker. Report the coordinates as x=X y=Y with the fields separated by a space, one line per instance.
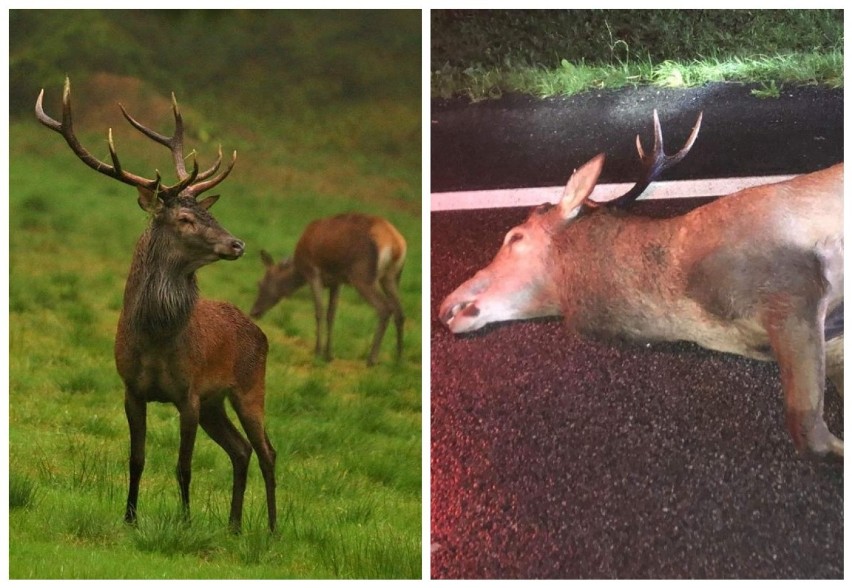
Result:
x=558 y=457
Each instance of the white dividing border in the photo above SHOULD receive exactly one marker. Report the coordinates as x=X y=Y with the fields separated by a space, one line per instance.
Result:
x=442 y=201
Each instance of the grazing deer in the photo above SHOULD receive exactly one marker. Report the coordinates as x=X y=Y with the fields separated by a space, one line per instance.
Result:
x=171 y=345
x=758 y=273
x=364 y=251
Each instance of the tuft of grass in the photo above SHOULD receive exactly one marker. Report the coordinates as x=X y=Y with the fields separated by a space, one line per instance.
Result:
x=22 y=491
x=170 y=533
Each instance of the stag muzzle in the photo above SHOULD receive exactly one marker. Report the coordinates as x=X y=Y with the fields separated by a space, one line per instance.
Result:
x=230 y=249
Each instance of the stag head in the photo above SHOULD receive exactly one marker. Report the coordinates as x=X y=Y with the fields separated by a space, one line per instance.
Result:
x=178 y=217
x=518 y=283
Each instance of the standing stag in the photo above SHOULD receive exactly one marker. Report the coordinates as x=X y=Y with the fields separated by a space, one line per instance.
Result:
x=758 y=273
x=171 y=345
x=364 y=251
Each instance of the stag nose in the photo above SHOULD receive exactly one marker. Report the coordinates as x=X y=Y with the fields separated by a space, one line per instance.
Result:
x=239 y=247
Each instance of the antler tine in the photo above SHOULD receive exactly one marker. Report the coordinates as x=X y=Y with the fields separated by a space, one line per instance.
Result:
x=66 y=129
x=200 y=187
x=174 y=143
x=213 y=169
x=656 y=163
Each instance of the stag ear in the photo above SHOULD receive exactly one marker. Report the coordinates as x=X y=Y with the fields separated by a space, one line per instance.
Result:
x=580 y=185
x=208 y=202
x=266 y=258
x=148 y=200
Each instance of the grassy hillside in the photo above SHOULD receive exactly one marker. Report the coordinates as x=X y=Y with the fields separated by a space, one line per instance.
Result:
x=348 y=437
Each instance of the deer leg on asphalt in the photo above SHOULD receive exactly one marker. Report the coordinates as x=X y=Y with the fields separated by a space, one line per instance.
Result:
x=249 y=409
x=189 y=417
x=834 y=363
x=796 y=336
x=215 y=422
x=390 y=285
x=333 y=295
x=136 y=411
x=378 y=301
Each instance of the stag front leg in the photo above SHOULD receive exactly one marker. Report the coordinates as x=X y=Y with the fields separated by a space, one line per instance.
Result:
x=189 y=417
x=136 y=411
x=797 y=340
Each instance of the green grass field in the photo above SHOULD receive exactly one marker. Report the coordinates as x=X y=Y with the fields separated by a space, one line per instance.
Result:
x=348 y=437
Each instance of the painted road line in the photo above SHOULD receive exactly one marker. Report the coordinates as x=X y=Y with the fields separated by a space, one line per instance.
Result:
x=603 y=192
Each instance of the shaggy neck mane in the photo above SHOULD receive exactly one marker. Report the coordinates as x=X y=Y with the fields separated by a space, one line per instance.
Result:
x=160 y=295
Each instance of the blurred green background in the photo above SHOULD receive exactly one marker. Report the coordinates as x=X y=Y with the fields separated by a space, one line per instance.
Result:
x=324 y=110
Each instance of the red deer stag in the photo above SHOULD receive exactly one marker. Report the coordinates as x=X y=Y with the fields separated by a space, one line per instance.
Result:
x=364 y=251
x=171 y=345
x=756 y=273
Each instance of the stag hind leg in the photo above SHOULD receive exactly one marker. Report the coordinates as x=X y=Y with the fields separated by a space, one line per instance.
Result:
x=795 y=331
x=215 y=422
x=249 y=409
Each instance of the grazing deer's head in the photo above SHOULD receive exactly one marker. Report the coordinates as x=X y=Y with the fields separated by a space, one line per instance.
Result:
x=516 y=284
x=279 y=281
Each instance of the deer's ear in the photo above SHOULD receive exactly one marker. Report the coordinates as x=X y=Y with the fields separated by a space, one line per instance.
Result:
x=148 y=200
x=580 y=185
x=208 y=202
x=266 y=258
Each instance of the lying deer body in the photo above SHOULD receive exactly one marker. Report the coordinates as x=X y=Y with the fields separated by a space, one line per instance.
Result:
x=755 y=273
x=364 y=251
x=172 y=346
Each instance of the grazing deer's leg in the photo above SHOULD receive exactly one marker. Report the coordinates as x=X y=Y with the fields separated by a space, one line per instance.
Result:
x=333 y=295
x=315 y=283
x=249 y=409
x=372 y=295
x=189 y=417
x=136 y=411
x=797 y=340
x=215 y=422
x=390 y=285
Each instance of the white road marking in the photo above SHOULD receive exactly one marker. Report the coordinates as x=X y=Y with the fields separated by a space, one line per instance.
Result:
x=603 y=192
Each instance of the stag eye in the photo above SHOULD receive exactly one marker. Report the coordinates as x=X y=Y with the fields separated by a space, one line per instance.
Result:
x=185 y=219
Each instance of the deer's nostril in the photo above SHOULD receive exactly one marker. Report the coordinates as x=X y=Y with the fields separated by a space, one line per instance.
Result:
x=238 y=246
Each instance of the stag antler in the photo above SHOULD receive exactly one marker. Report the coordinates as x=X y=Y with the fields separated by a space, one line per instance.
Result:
x=192 y=183
x=653 y=165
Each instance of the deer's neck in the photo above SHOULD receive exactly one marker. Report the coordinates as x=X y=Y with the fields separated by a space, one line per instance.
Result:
x=627 y=279
x=161 y=293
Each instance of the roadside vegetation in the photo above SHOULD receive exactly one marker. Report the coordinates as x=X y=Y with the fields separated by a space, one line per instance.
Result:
x=482 y=54
x=324 y=112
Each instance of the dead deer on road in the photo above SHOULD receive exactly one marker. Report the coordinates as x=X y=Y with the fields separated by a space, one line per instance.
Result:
x=171 y=345
x=364 y=251
x=756 y=273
